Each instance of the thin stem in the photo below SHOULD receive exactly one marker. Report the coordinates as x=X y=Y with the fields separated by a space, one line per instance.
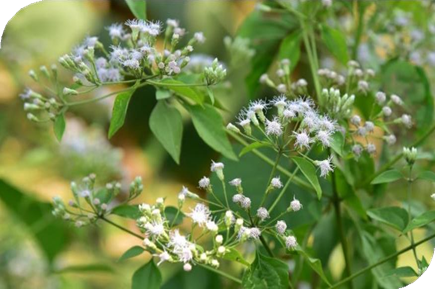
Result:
x=272 y=173
x=225 y=193
x=380 y=262
x=175 y=84
x=263 y=241
x=411 y=234
x=283 y=191
x=237 y=280
x=121 y=228
x=359 y=30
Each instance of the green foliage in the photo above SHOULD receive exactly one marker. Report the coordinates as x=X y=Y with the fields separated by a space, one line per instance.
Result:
x=148 y=276
x=119 y=112
x=138 y=8
x=290 y=48
x=253 y=146
x=427 y=176
x=171 y=213
x=420 y=221
x=182 y=89
x=402 y=272
x=394 y=217
x=127 y=211
x=335 y=41
x=59 y=126
x=387 y=177
x=315 y=264
x=88 y=268
x=167 y=125
x=235 y=255
x=266 y=273
x=132 y=252
x=309 y=171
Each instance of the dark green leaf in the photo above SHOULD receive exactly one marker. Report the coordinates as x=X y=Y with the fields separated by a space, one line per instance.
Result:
x=290 y=48
x=59 y=126
x=208 y=124
x=420 y=221
x=166 y=124
x=170 y=213
x=148 y=276
x=337 y=143
x=427 y=175
x=132 y=252
x=402 y=272
x=127 y=211
x=387 y=177
x=119 y=112
x=266 y=273
x=253 y=146
x=182 y=89
x=234 y=255
x=90 y=268
x=335 y=41
x=315 y=264
x=392 y=216
x=138 y=8
x=309 y=171
x=162 y=94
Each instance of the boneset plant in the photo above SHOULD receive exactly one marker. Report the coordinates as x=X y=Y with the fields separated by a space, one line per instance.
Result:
x=331 y=140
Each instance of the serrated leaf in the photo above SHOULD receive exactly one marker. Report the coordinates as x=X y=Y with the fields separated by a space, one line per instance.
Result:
x=166 y=124
x=427 y=175
x=148 y=276
x=132 y=252
x=266 y=273
x=119 y=112
x=127 y=211
x=209 y=125
x=335 y=41
x=182 y=89
x=387 y=177
x=234 y=255
x=253 y=146
x=420 y=221
x=290 y=48
x=402 y=272
x=170 y=213
x=394 y=217
x=309 y=171
x=138 y=8
x=59 y=126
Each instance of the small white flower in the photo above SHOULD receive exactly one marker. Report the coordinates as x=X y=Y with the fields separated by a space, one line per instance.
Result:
x=361 y=131
x=115 y=31
x=390 y=139
x=273 y=127
x=396 y=99
x=406 y=120
x=238 y=198
x=325 y=166
x=302 y=140
x=187 y=267
x=85 y=193
x=172 y=22
x=355 y=120
x=324 y=137
x=262 y=213
x=301 y=83
x=371 y=148
x=236 y=182
x=199 y=36
x=263 y=78
x=276 y=183
x=211 y=226
x=281 y=226
x=164 y=256
x=204 y=183
x=357 y=150
x=245 y=203
x=254 y=233
x=327 y=3
x=290 y=242
x=289 y=114
x=380 y=97
x=282 y=88
x=386 y=110
x=369 y=126
x=363 y=85
x=216 y=166
x=295 y=205
x=200 y=214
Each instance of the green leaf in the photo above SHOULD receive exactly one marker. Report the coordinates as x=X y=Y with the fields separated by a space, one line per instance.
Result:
x=91 y=268
x=148 y=276
x=138 y=8
x=182 y=89
x=337 y=143
x=315 y=264
x=420 y=221
x=208 y=123
x=162 y=94
x=170 y=213
x=387 y=177
x=253 y=146
x=266 y=273
x=392 y=216
x=335 y=41
x=119 y=112
x=59 y=126
x=234 y=255
x=210 y=95
x=127 y=211
x=309 y=171
x=132 y=252
x=427 y=175
x=166 y=124
x=402 y=272
x=290 y=48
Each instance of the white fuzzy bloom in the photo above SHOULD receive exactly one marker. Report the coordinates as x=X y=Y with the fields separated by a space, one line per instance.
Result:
x=281 y=226
x=219 y=239
x=204 y=183
x=155 y=228
x=302 y=140
x=380 y=97
x=187 y=267
x=262 y=213
x=212 y=226
x=254 y=233
x=216 y=166
x=263 y=78
x=357 y=150
x=355 y=120
x=236 y=182
x=245 y=203
x=282 y=88
x=363 y=85
x=290 y=242
x=371 y=148
x=386 y=110
x=301 y=83
x=238 y=198
x=396 y=99
x=295 y=205
x=324 y=137
x=200 y=214
x=390 y=139
x=273 y=127
x=289 y=113
x=325 y=166
x=172 y=22
x=199 y=36
x=370 y=126
x=115 y=30
x=406 y=120
x=361 y=131
x=276 y=183
x=164 y=256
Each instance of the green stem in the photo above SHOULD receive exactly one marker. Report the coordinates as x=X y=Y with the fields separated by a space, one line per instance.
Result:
x=263 y=241
x=411 y=234
x=382 y=261
x=175 y=84
x=359 y=30
x=121 y=228
x=237 y=280
x=272 y=173
x=225 y=193
x=283 y=191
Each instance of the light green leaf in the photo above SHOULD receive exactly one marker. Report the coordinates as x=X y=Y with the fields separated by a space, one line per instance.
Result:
x=132 y=252
x=148 y=276
x=234 y=255
x=392 y=216
x=253 y=146
x=387 y=177
x=170 y=213
x=309 y=171
x=91 y=268
x=119 y=112
x=138 y=8
x=291 y=48
x=335 y=41
x=420 y=221
x=182 y=89
x=162 y=94
x=315 y=264
x=210 y=95
x=208 y=124
x=266 y=273
x=127 y=211
x=402 y=272
x=166 y=124
x=59 y=126
x=427 y=175
x=337 y=143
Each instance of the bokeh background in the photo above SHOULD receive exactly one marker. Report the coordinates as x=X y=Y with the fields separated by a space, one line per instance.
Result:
x=34 y=247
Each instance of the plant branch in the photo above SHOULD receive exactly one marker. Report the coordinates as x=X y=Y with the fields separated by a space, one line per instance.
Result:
x=237 y=280
x=121 y=227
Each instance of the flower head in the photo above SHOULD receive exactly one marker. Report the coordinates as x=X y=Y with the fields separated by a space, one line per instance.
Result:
x=262 y=213
x=295 y=205
x=325 y=166
x=290 y=242
x=204 y=183
x=276 y=183
x=302 y=140
x=273 y=127
x=200 y=214
x=281 y=226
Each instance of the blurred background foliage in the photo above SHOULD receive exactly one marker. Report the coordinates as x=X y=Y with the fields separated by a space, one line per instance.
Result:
x=37 y=251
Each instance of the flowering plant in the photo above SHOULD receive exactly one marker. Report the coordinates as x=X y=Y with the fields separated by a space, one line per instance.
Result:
x=333 y=139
